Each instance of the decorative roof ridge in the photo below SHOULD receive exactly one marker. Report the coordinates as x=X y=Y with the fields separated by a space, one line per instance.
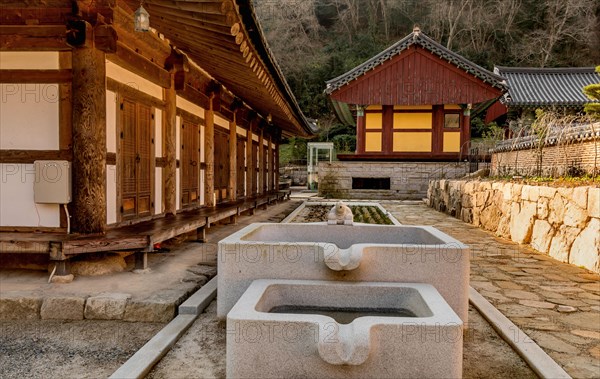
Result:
x=419 y=38
x=544 y=70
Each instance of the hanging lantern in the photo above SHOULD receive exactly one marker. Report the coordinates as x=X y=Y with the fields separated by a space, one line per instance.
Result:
x=142 y=19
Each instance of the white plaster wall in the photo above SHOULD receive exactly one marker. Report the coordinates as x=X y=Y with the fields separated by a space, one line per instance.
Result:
x=158 y=130
x=241 y=131
x=125 y=76
x=177 y=137
x=254 y=137
x=29 y=60
x=221 y=122
x=189 y=107
x=29 y=116
x=17 y=207
x=158 y=198
x=178 y=189
x=202 y=172
x=202 y=143
x=111 y=122
x=177 y=154
x=111 y=194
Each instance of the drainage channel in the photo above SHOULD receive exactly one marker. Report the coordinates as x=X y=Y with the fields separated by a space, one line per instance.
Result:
x=140 y=364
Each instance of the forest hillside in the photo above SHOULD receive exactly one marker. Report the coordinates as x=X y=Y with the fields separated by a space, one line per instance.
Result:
x=317 y=40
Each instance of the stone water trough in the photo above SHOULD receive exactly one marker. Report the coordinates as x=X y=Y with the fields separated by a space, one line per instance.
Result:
x=306 y=328
x=344 y=253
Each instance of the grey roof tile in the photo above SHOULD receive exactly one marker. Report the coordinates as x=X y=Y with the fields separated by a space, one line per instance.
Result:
x=547 y=86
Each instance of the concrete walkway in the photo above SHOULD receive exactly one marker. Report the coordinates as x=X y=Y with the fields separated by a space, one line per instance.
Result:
x=554 y=303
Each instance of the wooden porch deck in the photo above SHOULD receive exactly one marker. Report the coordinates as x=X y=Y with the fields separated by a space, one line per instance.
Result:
x=139 y=237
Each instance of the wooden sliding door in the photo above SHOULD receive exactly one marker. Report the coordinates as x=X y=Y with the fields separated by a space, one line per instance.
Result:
x=136 y=160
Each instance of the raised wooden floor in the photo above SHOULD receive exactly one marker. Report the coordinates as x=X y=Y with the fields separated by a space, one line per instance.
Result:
x=139 y=237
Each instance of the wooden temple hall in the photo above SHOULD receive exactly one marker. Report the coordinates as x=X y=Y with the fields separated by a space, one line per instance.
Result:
x=409 y=103
x=117 y=135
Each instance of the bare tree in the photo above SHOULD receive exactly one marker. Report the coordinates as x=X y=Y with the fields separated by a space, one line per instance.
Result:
x=562 y=20
x=292 y=29
x=446 y=19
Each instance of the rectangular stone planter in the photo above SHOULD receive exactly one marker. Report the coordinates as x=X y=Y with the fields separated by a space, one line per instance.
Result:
x=367 y=253
x=316 y=329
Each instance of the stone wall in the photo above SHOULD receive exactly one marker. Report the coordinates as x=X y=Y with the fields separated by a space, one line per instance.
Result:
x=561 y=222
x=567 y=149
x=297 y=173
x=557 y=160
x=408 y=180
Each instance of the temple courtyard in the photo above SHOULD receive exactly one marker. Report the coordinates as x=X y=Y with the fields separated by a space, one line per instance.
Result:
x=553 y=304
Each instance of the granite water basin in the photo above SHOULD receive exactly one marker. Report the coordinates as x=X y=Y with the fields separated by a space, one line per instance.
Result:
x=360 y=252
x=285 y=328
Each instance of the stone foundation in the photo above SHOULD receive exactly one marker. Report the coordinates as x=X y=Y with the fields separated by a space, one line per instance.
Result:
x=408 y=180
x=561 y=222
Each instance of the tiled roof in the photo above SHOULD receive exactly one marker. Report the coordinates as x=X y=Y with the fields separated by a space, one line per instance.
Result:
x=547 y=86
x=416 y=38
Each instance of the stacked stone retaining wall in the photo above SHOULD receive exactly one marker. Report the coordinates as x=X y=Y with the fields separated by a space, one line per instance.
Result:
x=561 y=222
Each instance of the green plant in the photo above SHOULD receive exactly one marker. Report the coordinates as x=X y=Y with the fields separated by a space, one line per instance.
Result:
x=592 y=91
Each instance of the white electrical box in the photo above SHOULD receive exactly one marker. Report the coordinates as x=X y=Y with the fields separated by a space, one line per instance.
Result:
x=52 y=182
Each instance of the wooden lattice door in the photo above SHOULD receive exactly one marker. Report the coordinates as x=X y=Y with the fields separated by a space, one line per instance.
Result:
x=221 y=164
x=241 y=166
x=266 y=160
x=136 y=151
x=254 y=168
x=190 y=163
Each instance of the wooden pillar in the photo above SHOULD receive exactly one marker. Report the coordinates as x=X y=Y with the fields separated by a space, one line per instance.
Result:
x=261 y=162
x=65 y=116
x=232 y=187
x=465 y=133
x=270 y=165
x=209 y=154
x=89 y=137
x=250 y=164
x=276 y=179
x=437 y=143
x=360 y=130
x=170 y=148
x=387 y=143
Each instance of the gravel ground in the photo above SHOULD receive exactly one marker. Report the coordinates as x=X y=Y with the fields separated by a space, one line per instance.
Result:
x=200 y=353
x=63 y=349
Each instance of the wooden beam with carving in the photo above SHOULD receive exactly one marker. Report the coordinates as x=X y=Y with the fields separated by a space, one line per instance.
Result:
x=149 y=45
x=33 y=38
x=36 y=76
x=132 y=92
x=138 y=64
